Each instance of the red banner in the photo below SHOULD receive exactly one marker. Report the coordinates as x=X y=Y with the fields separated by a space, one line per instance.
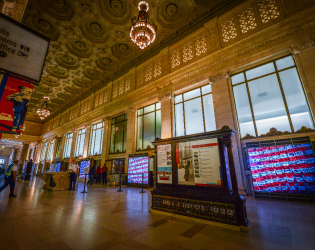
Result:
x=15 y=96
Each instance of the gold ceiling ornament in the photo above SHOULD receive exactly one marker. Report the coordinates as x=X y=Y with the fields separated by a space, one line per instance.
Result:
x=43 y=110
x=141 y=31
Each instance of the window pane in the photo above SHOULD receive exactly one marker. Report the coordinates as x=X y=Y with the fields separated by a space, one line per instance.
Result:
x=119 y=137
x=206 y=89
x=158 y=124
x=98 y=141
x=260 y=71
x=125 y=135
x=244 y=114
x=295 y=99
x=149 y=109
x=285 y=63
x=158 y=105
x=238 y=78
x=149 y=130
x=92 y=142
x=120 y=118
x=209 y=113
x=139 y=134
x=194 y=117
x=112 y=139
x=268 y=106
x=179 y=120
x=192 y=94
x=140 y=111
x=178 y=98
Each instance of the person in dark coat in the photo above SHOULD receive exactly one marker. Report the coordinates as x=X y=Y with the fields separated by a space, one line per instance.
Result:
x=91 y=176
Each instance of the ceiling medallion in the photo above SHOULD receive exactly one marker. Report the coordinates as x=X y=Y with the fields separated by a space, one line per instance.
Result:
x=141 y=31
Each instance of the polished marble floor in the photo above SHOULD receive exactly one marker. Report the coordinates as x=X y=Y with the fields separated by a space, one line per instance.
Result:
x=106 y=219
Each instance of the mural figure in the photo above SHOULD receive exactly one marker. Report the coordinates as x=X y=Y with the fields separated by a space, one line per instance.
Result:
x=20 y=104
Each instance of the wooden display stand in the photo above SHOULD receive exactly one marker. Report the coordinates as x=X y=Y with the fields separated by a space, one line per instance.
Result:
x=220 y=204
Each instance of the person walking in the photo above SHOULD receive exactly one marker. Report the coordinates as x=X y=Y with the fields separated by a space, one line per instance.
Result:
x=99 y=174
x=73 y=169
x=104 y=174
x=91 y=176
x=10 y=177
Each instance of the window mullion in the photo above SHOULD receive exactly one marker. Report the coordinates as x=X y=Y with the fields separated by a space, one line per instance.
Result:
x=184 y=115
x=203 y=112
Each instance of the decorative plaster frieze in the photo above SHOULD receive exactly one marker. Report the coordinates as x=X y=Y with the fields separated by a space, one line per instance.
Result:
x=309 y=43
x=217 y=77
x=165 y=97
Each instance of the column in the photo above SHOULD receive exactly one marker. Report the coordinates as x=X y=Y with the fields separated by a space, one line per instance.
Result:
x=74 y=142
x=106 y=139
x=87 y=140
x=131 y=134
x=23 y=156
x=225 y=115
x=166 y=115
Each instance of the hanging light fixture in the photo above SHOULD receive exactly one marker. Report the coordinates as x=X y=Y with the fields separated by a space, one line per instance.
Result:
x=141 y=31
x=43 y=110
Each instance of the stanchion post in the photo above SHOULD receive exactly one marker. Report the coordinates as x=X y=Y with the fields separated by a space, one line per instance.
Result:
x=84 y=184
x=119 y=183
x=142 y=185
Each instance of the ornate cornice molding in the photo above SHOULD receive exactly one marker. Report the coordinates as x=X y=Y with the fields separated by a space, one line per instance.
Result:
x=309 y=43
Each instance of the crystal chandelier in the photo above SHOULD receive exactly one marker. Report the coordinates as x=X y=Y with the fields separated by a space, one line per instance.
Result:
x=141 y=31
x=43 y=110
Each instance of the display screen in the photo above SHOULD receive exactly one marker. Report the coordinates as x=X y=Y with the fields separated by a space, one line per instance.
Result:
x=57 y=167
x=137 y=166
x=283 y=169
x=83 y=165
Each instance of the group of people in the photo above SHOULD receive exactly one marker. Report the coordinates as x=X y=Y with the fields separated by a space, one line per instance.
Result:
x=100 y=174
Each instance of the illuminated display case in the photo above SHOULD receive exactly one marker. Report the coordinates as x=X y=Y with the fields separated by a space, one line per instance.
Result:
x=138 y=165
x=281 y=167
x=83 y=164
x=57 y=167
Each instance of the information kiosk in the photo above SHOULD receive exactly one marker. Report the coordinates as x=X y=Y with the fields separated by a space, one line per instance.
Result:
x=195 y=177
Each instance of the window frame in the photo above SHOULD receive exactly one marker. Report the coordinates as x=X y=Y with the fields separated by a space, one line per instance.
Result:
x=43 y=151
x=78 y=142
x=273 y=60
x=94 y=129
x=50 y=149
x=183 y=101
x=111 y=133
x=67 y=145
x=143 y=114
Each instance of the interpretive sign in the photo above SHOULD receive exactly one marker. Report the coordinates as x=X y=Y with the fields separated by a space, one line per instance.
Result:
x=22 y=50
x=201 y=161
x=15 y=96
x=164 y=164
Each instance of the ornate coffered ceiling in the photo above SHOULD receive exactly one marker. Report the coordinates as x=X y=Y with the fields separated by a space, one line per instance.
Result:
x=90 y=40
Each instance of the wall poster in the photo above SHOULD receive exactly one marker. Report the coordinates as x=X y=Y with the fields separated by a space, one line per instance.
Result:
x=15 y=96
x=164 y=164
x=199 y=163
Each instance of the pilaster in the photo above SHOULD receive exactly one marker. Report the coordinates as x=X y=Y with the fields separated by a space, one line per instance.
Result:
x=131 y=134
x=106 y=136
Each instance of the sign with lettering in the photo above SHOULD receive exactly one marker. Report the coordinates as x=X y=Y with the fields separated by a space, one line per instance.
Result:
x=164 y=164
x=22 y=50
